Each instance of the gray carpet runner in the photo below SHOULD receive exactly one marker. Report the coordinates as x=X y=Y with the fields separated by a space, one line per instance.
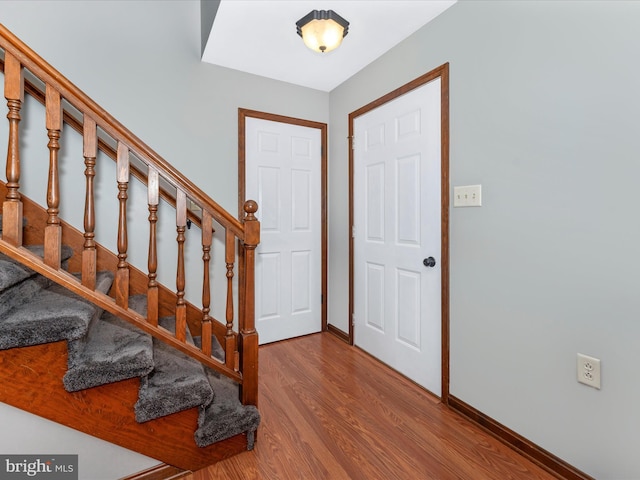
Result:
x=38 y=311
x=103 y=348
x=225 y=413
x=51 y=315
x=176 y=383
x=112 y=350
x=225 y=416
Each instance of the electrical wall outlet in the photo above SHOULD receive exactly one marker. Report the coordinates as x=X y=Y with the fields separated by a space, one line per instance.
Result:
x=589 y=370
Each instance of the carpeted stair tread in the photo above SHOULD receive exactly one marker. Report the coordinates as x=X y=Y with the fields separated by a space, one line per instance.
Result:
x=177 y=382
x=18 y=283
x=12 y=272
x=15 y=274
x=226 y=416
x=52 y=315
x=21 y=293
x=113 y=350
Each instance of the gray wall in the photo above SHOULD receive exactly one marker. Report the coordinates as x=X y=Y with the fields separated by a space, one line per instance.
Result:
x=544 y=114
x=140 y=60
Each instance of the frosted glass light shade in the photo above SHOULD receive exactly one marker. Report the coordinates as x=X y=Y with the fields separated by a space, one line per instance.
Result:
x=322 y=30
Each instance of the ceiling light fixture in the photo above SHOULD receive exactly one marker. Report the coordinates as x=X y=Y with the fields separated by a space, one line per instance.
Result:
x=322 y=30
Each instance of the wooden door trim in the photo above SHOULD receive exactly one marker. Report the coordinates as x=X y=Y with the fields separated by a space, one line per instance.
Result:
x=243 y=114
x=441 y=72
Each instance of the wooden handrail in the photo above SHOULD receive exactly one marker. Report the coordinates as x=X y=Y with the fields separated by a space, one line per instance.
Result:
x=79 y=125
x=85 y=116
x=85 y=105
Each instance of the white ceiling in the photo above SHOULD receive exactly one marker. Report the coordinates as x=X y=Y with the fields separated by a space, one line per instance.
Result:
x=259 y=37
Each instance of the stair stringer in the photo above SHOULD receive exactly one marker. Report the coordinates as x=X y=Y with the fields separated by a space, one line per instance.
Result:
x=31 y=380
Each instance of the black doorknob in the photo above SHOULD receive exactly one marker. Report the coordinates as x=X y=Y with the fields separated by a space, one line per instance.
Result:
x=429 y=262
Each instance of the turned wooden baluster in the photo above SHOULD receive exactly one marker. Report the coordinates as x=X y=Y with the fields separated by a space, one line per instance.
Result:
x=248 y=335
x=122 y=274
x=181 y=306
x=207 y=237
x=90 y=151
x=231 y=353
x=152 y=288
x=12 y=206
x=53 y=230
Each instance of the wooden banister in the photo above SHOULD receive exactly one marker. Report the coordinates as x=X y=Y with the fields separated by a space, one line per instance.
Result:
x=85 y=105
x=78 y=125
x=65 y=103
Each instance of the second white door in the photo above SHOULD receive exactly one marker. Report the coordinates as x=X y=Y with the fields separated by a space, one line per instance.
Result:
x=397 y=234
x=283 y=174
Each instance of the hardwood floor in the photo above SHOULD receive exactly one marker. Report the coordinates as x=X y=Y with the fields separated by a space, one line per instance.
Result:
x=330 y=411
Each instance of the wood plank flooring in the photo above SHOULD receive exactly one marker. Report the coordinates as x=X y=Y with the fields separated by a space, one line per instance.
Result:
x=330 y=411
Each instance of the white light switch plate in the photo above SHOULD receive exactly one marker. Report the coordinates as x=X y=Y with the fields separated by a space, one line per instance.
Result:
x=467 y=196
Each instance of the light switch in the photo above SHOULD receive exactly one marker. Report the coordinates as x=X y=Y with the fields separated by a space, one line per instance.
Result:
x=467 y=196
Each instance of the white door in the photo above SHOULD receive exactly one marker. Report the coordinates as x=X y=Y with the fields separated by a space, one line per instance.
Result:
x=397 y=226
x=283 y=174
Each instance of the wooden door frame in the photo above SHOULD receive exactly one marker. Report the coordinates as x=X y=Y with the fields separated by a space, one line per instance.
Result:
x=243 y=114
x=441 y=72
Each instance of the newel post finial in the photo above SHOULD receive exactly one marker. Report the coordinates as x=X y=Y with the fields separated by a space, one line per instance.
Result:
x=250 y=208
x=251 y=224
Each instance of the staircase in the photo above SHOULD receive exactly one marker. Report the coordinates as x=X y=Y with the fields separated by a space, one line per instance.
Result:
x=89 y=340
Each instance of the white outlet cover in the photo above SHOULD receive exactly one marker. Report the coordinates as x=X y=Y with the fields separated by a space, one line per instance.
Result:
x=467 y=196
x=588 y=370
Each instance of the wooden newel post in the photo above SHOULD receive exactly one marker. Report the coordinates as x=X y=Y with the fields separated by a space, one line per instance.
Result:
x=248 y=335
x=12 y=206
